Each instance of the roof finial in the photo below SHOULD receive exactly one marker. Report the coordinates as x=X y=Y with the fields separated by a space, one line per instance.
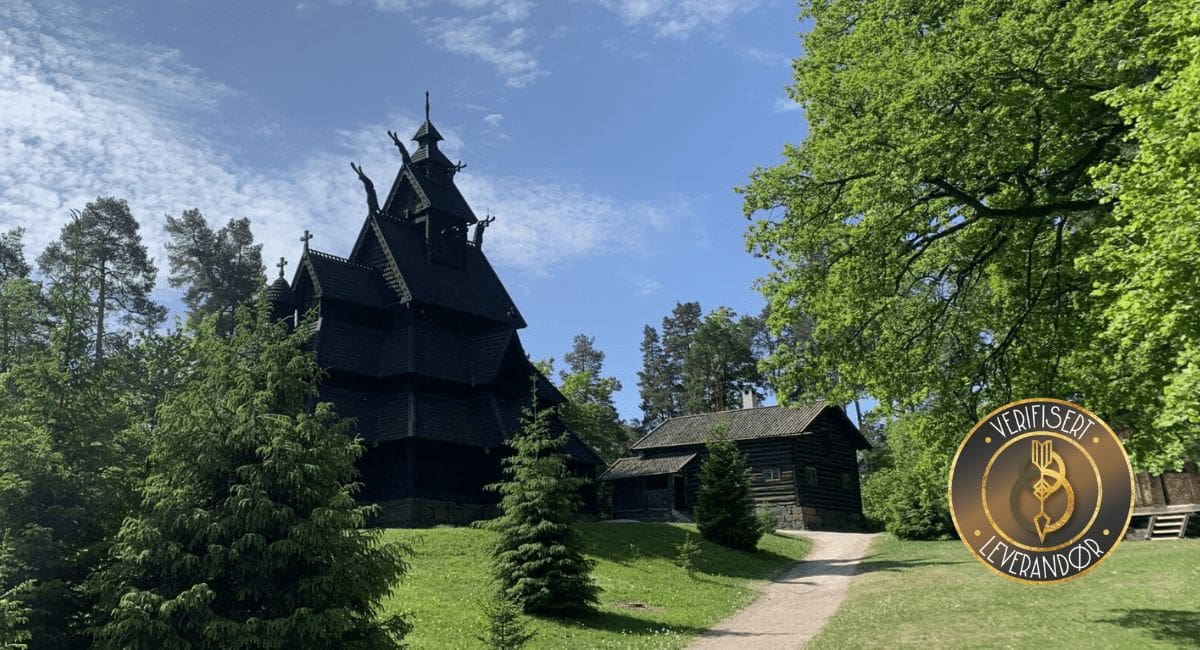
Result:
x=282 y=263
x=305 y=239
x=426 y=105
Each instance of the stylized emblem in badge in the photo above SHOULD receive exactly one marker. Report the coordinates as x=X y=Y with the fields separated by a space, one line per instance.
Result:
x=1041 y=491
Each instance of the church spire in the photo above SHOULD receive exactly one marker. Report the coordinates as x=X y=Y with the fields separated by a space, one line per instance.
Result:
x=427 y=138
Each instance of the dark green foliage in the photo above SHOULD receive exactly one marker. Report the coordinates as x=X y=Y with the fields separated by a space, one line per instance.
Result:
x=248 y=535
x=654 y=381
x=725 y=508
x=701 y=364
x=506 y=629
x=69 y=466
x=537 y=559
x=14 y=613
x=719 y=363
x=687 y=555
x=23 y=317
x=221 y=269
x=590 y=411
x=100 y=252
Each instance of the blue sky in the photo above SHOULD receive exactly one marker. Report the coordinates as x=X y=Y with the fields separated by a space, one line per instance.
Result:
x=606 y=136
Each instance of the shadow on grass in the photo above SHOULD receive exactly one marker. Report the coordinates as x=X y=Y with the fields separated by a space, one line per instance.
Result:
x=619 y=623
x=626 y=542
x=1178 y=627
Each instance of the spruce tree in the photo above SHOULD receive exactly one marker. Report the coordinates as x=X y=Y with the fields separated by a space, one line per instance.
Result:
x=537 y=559
x=725 y=508
x=248 y=535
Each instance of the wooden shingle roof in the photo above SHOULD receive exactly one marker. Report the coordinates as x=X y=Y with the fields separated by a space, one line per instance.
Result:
x=742 y=424
x=637 y=466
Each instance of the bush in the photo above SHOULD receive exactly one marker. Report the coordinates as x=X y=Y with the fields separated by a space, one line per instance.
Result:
x=725 y=508
x=906 y=494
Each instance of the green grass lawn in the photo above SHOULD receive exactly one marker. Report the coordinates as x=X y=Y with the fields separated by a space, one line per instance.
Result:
x=647 y=601
x=934 y=595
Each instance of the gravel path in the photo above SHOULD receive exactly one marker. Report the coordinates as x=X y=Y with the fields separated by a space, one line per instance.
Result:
x=794 y=608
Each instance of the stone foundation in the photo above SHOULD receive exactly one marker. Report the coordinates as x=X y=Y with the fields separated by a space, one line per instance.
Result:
x=794 y=517
x=415 y=512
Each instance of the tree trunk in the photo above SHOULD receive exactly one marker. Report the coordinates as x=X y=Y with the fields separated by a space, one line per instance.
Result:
x=100 y=315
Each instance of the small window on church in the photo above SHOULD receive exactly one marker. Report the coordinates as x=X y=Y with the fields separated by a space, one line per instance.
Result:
x=771 y=474
x=810 y=475
x=847 y=481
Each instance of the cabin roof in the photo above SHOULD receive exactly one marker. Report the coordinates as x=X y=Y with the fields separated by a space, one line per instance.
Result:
x=638 y=466
x=743 y=424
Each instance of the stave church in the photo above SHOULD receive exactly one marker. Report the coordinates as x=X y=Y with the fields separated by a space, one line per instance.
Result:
x=419 y=340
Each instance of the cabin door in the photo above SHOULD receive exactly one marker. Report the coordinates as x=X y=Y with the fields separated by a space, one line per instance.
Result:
x=680 y=493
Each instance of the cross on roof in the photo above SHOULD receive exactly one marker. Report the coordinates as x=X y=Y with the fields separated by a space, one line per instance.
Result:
x=305 y=239
x=282 y=263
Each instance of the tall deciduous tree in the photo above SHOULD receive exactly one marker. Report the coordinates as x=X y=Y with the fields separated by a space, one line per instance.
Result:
x=957 y=174
x=221 y=269
x=101 y=245
x=590 y=411
x=1145 y=266
x=249 y=534
x=537 y=559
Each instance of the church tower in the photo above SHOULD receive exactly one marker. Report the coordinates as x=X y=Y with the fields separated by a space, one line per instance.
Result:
x=419 y=340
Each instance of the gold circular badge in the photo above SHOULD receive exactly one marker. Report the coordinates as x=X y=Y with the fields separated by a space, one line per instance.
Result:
x=1041 y=491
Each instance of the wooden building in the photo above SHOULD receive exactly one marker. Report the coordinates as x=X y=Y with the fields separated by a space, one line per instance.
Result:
x=803 y=465
x=419 y=341
x=1167 y=505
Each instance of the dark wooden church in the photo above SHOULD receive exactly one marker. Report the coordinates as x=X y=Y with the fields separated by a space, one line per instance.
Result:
x=803 y=465
x=419 y=341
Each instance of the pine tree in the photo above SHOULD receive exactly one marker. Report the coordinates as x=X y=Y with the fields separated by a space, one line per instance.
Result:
x=678 y=331
x=725 y=508
x=102 y=248
x=720 y=362
x=537 y=559
x=248 y=534
x=654 y=381
x=221 y=269
x=505 y=628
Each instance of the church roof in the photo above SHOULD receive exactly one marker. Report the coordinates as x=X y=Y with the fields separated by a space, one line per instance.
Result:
x=417 y=191
x=473 y=289
x=742 y=424
x=339 y=278
x=436 y=353
x=280 y=293
x=481 y=421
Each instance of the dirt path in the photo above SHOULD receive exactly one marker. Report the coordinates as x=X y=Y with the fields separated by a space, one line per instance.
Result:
x=794 y=608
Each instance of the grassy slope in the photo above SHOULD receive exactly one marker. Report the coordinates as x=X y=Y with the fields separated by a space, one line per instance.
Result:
x=933 y=594
x=647 y=602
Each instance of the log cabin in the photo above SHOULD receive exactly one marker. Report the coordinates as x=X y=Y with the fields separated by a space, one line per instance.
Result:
x=803 y=466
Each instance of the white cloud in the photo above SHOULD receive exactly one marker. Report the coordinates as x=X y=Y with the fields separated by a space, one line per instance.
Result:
x=82 y=117
x=644 y=286
x=493 y=120
x=544 y=224
x=786 y=105
x=678 y=18
x=487 y=30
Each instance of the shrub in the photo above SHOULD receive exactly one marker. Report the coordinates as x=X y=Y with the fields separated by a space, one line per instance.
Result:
x=725 y=508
